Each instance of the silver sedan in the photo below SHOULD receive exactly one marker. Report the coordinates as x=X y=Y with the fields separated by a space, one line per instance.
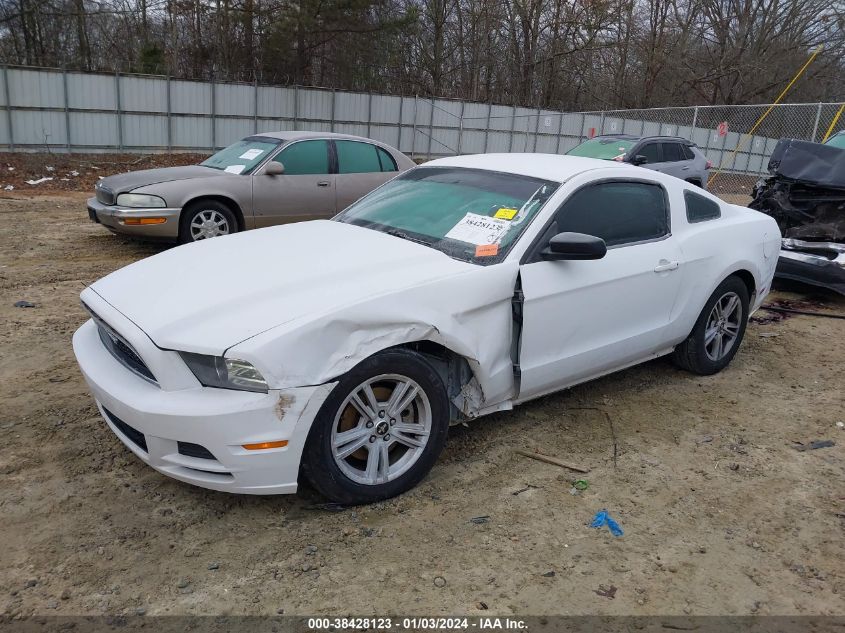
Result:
x=262 y=180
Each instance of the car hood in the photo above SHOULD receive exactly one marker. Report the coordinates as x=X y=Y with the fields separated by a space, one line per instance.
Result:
x=121 y=183
x=208 y=296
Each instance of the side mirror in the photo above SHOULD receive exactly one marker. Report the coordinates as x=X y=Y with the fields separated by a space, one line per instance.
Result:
x=274 y=168
x=639 y=159
x=565 y=246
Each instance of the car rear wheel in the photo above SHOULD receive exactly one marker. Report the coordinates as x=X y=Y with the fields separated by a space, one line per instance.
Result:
x=206 y=219
x=718 y=332
x=380 y=430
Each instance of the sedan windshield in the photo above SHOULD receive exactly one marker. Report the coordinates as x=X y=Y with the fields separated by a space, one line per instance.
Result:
x=242 y=157
x=470 y=214
x=603 y=147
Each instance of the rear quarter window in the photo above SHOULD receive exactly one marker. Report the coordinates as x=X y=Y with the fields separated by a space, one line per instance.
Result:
x=700 y=209
x=386 y=160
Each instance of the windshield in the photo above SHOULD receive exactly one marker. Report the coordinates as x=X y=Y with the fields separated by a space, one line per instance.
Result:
x=604 y=148
x=837 y=141
x=242 y=157
x=470 y=214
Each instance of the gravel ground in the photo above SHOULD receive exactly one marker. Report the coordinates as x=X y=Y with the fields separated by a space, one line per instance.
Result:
x=721 y=514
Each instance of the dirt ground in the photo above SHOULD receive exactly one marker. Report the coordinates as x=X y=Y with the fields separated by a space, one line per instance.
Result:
x=54 y=173
x=721 y=514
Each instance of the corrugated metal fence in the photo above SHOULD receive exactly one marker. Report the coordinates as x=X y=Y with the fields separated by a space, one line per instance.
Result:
x=84 y=112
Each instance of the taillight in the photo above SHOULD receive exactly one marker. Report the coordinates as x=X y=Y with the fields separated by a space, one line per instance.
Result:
x=709 y=164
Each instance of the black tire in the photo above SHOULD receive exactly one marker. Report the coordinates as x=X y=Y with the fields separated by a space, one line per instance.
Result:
x=692 y=354
x=318 y=460
x=195 y=208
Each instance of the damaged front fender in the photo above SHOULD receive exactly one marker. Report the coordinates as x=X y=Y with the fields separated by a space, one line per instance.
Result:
x=470 y=315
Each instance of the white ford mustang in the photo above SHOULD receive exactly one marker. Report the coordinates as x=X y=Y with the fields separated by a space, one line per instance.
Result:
x=341 y=350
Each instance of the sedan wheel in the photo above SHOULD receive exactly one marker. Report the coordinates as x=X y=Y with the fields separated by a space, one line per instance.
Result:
x=209 y=223
x=204 y=219
x=380 y=430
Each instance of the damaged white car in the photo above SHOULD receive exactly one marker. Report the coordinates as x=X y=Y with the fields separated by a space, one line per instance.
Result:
x=341 y=350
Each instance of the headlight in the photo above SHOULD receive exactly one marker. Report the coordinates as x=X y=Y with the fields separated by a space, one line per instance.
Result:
x=139 y=200
x=225 y=373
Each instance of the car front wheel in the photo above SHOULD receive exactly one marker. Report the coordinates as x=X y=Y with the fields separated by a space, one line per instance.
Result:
x=206 y=219
x=380 y=430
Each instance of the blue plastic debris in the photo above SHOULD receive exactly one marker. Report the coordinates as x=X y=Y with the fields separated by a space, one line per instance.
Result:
x=602 y=518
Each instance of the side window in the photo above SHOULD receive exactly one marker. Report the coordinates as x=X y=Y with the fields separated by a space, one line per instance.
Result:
x=688 y=153
x=617 y=212
x=386 y=160
x=354 y=157
x=699 y=208
x=651 y=151
x=672 y=152
x=305 y=157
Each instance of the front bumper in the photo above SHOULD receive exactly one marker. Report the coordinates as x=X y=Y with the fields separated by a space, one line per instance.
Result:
x=816 y=263
x=114 y=218
x=152 y=421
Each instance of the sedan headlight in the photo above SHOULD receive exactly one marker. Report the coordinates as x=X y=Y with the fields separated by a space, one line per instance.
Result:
x=225 y=373
x=140 y=200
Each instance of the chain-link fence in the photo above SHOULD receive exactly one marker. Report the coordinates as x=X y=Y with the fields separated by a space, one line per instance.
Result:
x=737 y=140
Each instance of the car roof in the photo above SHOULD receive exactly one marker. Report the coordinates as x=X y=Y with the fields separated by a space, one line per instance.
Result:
x=632 y=137
x=554 y=167
x=297 y=135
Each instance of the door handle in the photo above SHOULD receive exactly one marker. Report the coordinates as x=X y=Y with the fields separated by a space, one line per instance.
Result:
x=665 y=266
x=685 y=168
x=323 y=183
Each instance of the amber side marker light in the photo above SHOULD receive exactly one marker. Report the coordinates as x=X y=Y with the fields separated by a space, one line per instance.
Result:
x=137 y=221
x=263 y=445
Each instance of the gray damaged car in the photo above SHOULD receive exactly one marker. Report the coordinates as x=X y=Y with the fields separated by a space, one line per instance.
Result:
x=805 y=194
x=262 y=180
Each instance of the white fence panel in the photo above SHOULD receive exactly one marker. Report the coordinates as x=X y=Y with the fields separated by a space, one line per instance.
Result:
x=74 y=111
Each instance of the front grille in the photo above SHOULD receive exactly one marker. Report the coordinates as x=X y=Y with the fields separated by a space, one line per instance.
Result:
x=121 y=349
x=104 y=196
x=134 y=435
x=194 y=450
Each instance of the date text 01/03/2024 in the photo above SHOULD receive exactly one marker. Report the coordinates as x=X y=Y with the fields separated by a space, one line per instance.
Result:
x=416 y=623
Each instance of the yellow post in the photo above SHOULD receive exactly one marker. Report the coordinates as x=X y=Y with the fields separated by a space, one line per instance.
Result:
x=833 y=123
x=766 y=113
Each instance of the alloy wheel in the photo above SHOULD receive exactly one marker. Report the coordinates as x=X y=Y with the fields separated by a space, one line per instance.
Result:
x=381 y=429
x=723 y=326
x=207 y=224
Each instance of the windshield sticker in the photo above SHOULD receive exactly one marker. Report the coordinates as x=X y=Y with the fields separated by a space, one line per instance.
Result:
x=506 y=214
x=234 y=169
x=478 y=229
x=251 y=154
x=486 y=250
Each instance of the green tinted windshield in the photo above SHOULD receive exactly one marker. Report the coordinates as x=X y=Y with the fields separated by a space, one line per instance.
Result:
x=469 y=214
x=604 y=148
x=242 y=157
x=837 y=141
